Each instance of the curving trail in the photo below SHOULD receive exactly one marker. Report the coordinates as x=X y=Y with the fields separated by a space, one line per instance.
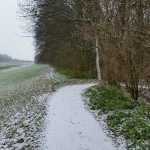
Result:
x=69 y=126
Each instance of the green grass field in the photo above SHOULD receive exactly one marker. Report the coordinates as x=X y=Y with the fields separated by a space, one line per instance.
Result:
x=6 y=65
x=74 y=74
x=19 y=84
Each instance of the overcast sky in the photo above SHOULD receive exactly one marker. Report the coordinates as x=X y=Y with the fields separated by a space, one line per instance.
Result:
x=10 y=27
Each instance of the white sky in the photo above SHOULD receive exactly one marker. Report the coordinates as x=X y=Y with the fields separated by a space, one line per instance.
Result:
x=10 y=26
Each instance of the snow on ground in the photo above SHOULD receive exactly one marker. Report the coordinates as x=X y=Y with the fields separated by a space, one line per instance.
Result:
x=23 y=129
x=23 y=107
x=70 y=126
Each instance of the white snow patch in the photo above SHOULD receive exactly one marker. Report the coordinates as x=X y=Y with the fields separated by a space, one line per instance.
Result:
x=69 y=126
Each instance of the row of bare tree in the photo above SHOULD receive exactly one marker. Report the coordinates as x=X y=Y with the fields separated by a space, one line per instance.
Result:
x=109 y=38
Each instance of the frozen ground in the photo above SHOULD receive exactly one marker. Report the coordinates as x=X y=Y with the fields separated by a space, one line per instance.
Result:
x=23 y=102
x=70 y=126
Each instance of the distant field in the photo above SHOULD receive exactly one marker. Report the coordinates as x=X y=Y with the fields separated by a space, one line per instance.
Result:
x=7 y=65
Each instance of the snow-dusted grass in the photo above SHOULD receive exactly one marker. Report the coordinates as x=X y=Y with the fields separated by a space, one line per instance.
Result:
x=125 y=118
x=133 y=125
x=17 y=85
x=21 y=108
x=5 y=65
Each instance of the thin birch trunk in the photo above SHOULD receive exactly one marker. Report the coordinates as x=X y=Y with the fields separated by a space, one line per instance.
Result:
x=98 y=60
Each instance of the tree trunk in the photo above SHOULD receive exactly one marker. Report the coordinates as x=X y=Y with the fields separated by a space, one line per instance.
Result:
x=98 y=60
x=134 y=92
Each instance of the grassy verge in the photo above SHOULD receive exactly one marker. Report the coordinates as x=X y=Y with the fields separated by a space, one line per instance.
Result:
x=125 y=117
x=17 y=86
x=73 y=73
x=21 y=110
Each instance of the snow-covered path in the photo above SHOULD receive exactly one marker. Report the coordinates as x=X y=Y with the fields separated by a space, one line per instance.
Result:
x=69 y=126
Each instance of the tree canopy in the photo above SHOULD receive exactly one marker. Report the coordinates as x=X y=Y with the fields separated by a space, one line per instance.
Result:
x=73 y=33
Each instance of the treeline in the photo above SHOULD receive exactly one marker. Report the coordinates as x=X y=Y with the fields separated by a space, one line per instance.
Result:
x=5 y=58
x=109 y=38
